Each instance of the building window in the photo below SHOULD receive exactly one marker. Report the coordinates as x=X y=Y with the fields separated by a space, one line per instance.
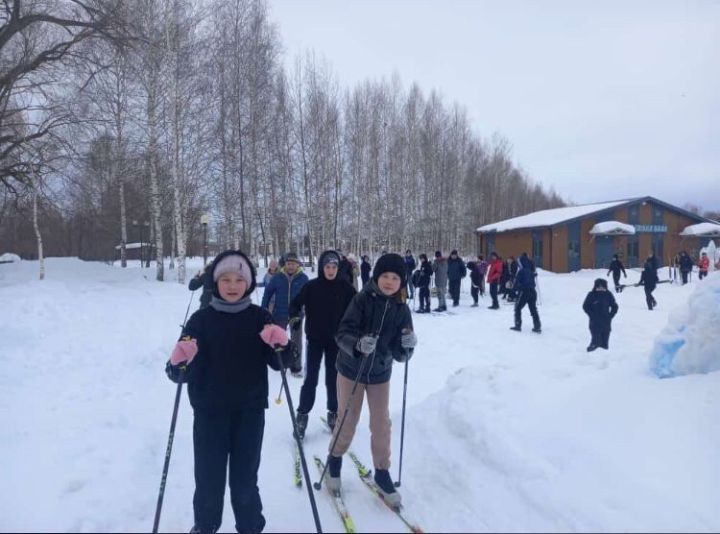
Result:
x=537 y=245
x=633 y=215
x=633 y=251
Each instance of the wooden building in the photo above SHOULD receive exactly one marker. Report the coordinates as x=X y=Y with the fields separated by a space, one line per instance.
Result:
x=586 y=237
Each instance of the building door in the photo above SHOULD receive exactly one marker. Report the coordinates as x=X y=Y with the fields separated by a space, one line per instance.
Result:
x=633 y=251
x=574 y=247
x=537 y=245
x=490 y=244
x=604 y=250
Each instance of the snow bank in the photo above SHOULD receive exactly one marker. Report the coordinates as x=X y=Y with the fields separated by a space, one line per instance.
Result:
x=9 y=258
x=713 y=253
x=690 y=343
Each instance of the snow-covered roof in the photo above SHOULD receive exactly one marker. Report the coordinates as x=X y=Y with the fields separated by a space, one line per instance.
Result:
x=612 y=228
x=549 y=217
x=705 y=229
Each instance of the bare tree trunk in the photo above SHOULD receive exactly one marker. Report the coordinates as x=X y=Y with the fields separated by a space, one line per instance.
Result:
x=178 y=212
x=123 y=222
x=38 y=236
x=154 y=185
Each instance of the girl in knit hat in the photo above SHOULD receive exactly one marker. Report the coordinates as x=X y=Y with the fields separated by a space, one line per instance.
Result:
x=223 y=355
x=375 y=330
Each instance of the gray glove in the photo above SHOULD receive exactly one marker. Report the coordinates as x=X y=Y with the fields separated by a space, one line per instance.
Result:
x=408 y=340
x=366 y=344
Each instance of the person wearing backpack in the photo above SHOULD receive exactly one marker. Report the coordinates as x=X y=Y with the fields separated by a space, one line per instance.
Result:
x=421 y=280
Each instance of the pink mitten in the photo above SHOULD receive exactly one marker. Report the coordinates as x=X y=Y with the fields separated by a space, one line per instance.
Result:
x=273 y=335
x=184 y=351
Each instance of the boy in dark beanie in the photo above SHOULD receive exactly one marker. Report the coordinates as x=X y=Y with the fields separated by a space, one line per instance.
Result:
x=223 y=355
x=376 y=329
x=325 y=300
x=601 y=307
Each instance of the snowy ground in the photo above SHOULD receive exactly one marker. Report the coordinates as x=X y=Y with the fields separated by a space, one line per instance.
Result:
x=505 y=432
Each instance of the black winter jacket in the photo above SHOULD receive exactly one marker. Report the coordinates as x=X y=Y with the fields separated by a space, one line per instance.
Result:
x=649 y=276
x=456 y=269
x=229 y=371
x=600 y=307
x=325 y=302
x=424 y=274
x=616 y=266
x=372 y=313
x=365 y=270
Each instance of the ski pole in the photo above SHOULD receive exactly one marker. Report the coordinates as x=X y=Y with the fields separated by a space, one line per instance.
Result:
x=278 y=400
x=316 y=517
x=171 y=436
x=402 y=425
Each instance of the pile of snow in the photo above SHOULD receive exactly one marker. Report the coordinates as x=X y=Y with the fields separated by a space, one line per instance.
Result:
x=690 y=343
x=713 y=253
x=612 y=227
x=9 y=257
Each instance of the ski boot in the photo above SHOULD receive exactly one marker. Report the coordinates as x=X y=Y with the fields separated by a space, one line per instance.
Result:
x=302 y=422
x=387 y=488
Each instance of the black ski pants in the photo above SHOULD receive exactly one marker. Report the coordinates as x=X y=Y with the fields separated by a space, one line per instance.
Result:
x=702 y=274
x=494 y=294
x=529 y=297
x=684 y=276
x=600 y=335
x=651 y=302
x=425 y=298
x=474 y=290
x=455 y=291
x=217 y=437
x=315 y=350
x=616 y=279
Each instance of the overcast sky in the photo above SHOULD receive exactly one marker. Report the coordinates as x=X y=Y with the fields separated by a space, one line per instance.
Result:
x=602 y=100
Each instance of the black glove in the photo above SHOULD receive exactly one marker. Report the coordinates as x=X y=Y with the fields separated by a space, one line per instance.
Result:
x=288 y=354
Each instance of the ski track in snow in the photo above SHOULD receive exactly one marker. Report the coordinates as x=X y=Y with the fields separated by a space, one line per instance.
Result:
x=505 y=431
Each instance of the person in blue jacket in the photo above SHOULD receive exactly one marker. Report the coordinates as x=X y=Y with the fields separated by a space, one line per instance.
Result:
x=526 y=293
x=285 y=286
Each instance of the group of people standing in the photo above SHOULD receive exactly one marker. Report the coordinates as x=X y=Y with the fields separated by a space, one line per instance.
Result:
x=228 y=344
x=513 y=280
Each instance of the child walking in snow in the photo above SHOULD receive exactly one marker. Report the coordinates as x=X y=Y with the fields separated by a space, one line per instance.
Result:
x=223 y=355
x=325 y=300
x=376 y=329
x=601 y=307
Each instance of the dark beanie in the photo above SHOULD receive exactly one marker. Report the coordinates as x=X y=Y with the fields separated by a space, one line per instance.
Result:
x=600 y=282
x=390 y=263
x=438 y=254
